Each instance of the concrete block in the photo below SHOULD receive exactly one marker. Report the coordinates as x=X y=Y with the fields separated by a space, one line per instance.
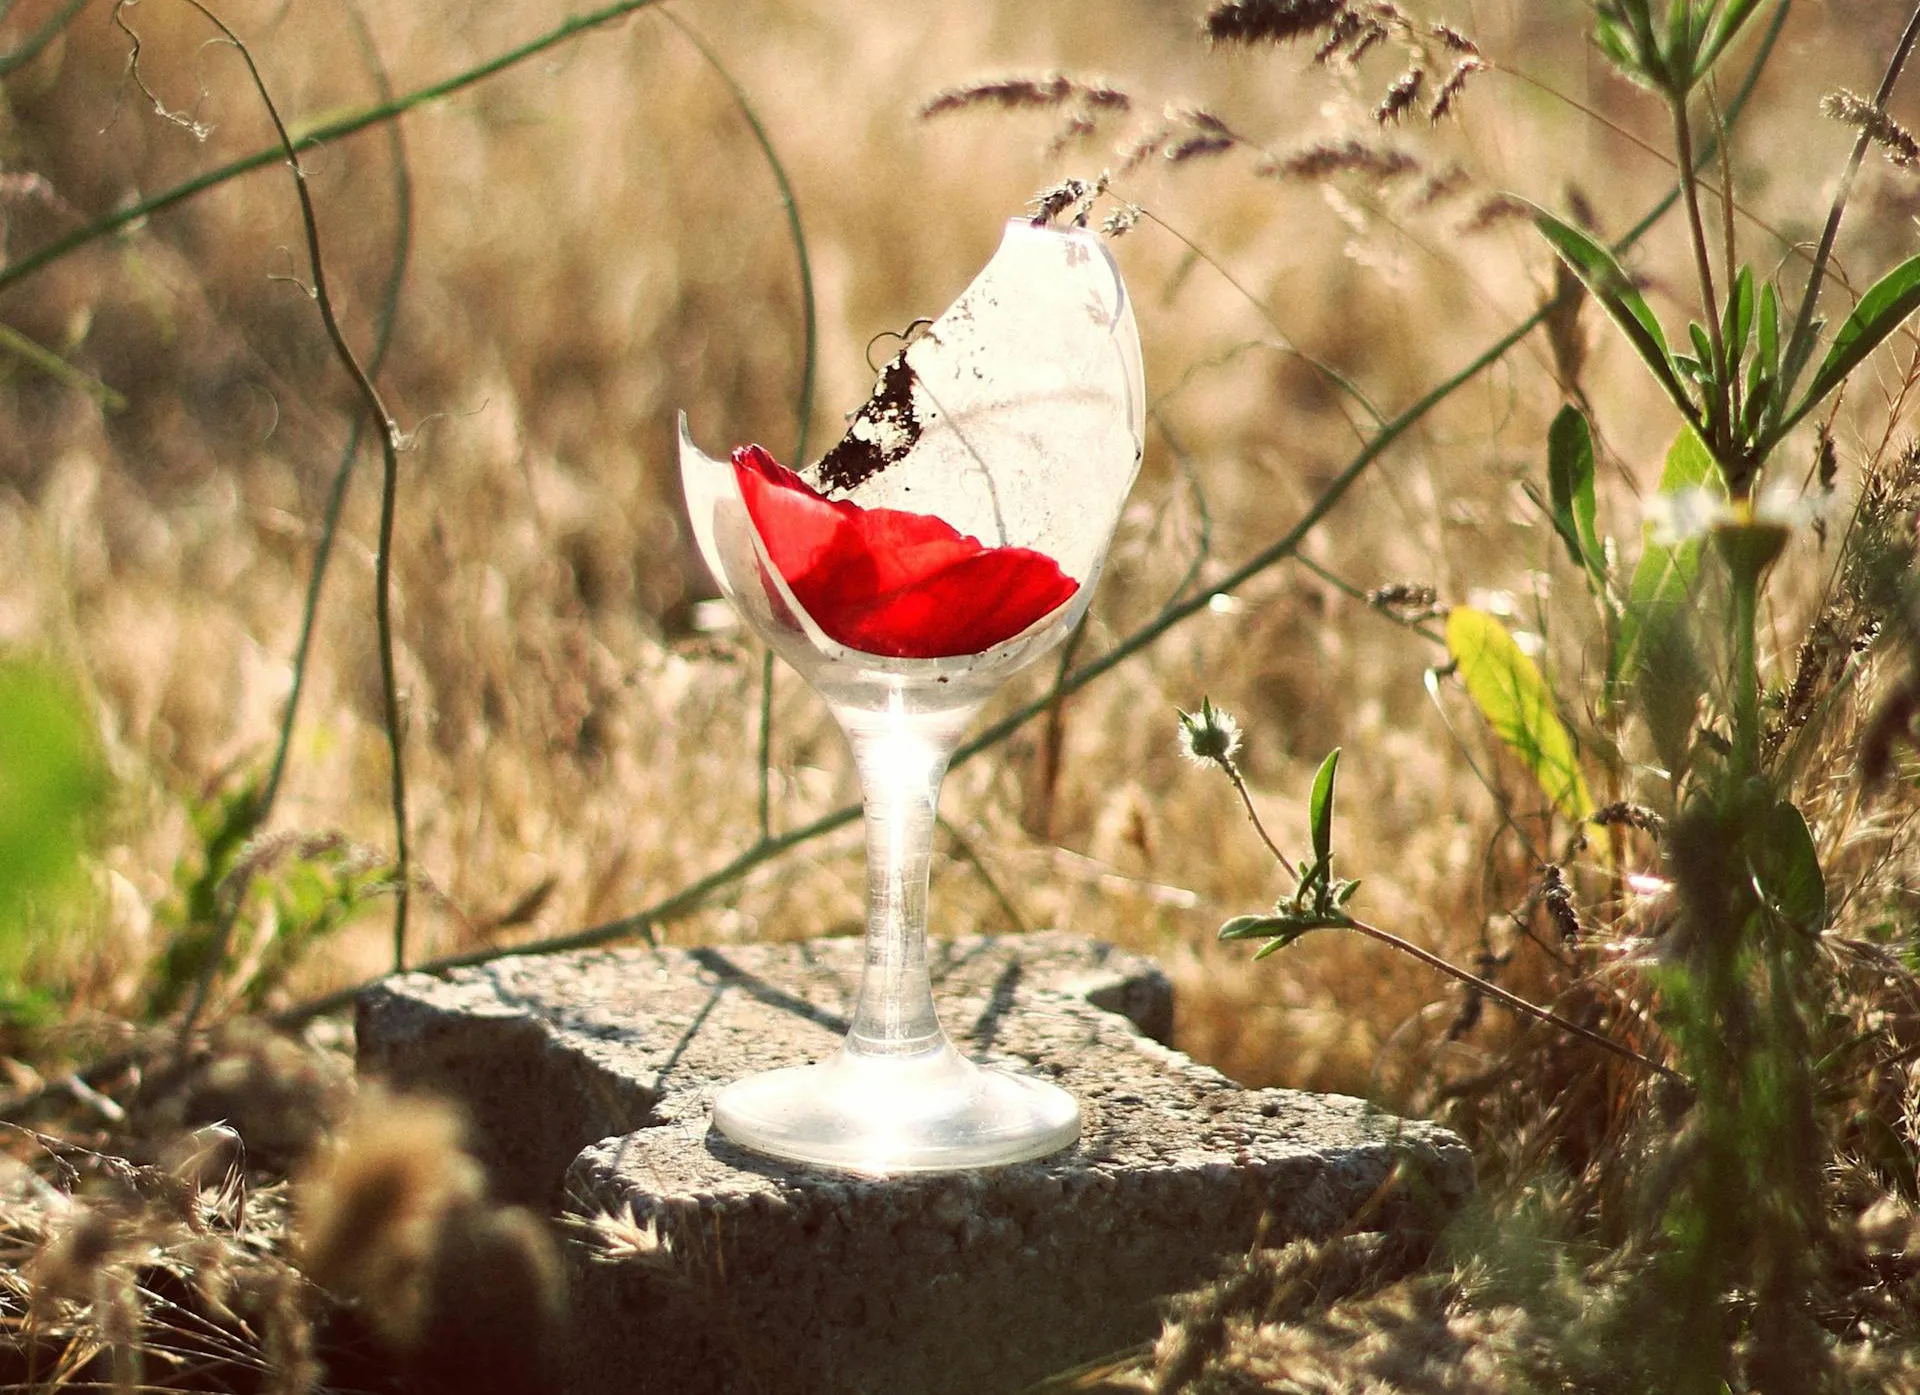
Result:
x=769 y=1278
x=550 y=1053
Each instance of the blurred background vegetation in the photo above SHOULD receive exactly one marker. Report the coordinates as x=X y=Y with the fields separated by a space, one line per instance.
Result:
x=570 y=251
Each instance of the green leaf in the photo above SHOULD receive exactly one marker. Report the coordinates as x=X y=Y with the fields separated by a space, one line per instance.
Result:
x=1615 y=40
x=1759 y=398
x=1702 y=345
x=1731 y=19
x=1608 y=282
x=1763 y=369
x=1889 y=301
x=1678 y=52
x=311 y=898
x=1279 y=929
x=1512 y=695
x=1570 y=485
x=1789 y=870
x=1665 y=574
x=1769 y=360
x=1699 y=15
x=1248 y=927
x=1737 y=324
x=224 y=823
x=1667 y=681
x=51 y=781
x=48 y=779
x=1320 y=808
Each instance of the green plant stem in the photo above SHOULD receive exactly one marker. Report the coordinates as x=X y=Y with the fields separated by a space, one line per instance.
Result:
x=1719 y=427
x=35 y=43
x=320 y=135
x=689 y=897
x=1232 y=767
x=1730 y=254
x=234 y=897
x=1744 y=617
x=383 y=332
x=765 y=810
x=12 y=341
x=810 y=334
x=1514 y=1000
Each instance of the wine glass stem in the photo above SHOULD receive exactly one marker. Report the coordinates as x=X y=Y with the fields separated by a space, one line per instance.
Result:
x=901 y=756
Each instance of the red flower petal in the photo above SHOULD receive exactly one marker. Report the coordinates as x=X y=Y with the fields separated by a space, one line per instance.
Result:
x=884 y=581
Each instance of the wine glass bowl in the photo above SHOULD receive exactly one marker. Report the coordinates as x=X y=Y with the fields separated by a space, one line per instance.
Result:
x=950 y=539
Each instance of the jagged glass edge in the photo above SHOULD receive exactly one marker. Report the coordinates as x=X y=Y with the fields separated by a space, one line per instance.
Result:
x=1124 y=335
x=714 y=502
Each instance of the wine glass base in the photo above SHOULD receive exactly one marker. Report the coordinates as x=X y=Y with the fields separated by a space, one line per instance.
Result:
x=932 y=1111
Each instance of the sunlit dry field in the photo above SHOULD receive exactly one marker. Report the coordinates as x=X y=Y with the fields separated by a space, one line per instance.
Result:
x=572 y=251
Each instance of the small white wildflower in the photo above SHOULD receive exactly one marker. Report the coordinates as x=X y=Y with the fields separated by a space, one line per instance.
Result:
x=1209 y=736
x=1684 y=514
x=1691 y=513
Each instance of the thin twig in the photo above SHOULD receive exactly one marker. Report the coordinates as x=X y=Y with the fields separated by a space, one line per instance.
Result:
x=1325 y=370
x=1053 y=734
x=12 y=341
x=1352 y=592
x=384 y=323
x=1232 y=767
x=1514 y=1000
x=389 y=435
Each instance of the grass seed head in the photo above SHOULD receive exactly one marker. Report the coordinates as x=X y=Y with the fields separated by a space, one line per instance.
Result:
x=1326 y=159
x=1271 y=21
x=1448 y=96
x=371 y=1210
x=1895 y=141
x=1401 y=96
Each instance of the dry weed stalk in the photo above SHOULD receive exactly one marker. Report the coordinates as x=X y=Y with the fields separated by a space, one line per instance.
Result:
x=393 y=1216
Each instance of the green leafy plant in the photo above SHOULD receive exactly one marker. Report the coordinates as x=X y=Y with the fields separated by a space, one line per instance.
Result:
x=249 y=906
x=1512 y=694
x=1716 y=1206
x=52 y=784
x=1731 y=1207
x=1319 y=899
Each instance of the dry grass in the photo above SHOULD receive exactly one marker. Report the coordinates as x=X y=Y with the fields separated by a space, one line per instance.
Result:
x=596 y=243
